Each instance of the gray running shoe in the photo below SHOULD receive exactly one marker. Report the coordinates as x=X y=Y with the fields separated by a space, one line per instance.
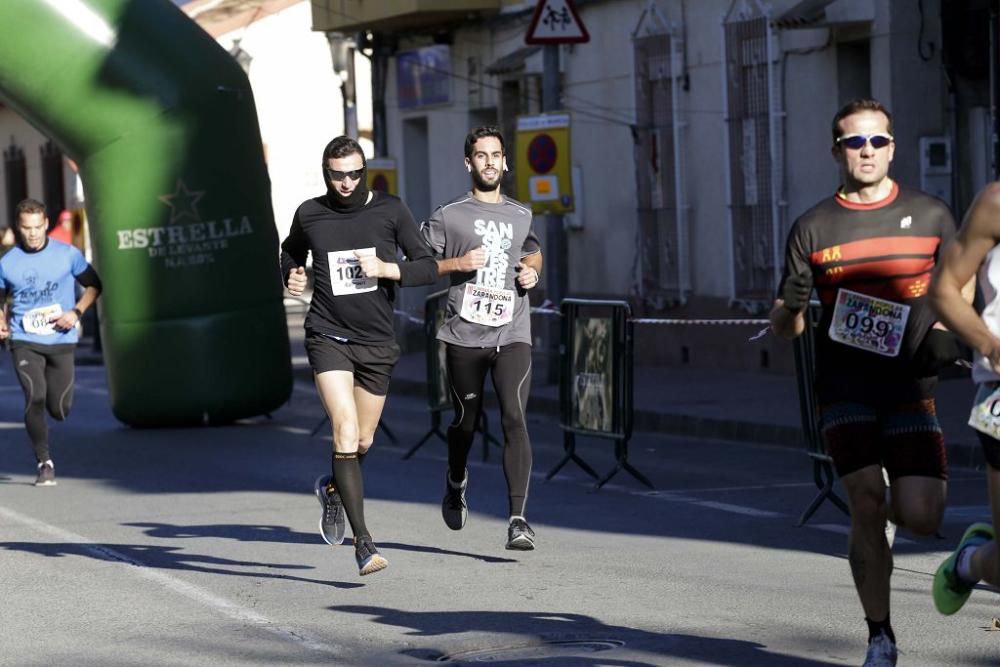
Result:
x=520 y=536
x=881 y=652
x=46 y=475
x=368 y=557
x=454 y=510
x=331 y=524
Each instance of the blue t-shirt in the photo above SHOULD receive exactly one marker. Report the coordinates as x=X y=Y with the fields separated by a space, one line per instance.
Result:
x=42 y=285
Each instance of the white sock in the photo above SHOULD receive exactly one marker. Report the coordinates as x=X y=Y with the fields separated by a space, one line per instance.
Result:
x=963 y=564
x=516 y=516
x=49 y=461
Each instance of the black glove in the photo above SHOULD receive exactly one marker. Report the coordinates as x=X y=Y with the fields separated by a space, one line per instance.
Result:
x=938 y=350
x=796 y=290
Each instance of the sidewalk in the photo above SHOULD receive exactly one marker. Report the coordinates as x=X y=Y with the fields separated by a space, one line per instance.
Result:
x=710 y=404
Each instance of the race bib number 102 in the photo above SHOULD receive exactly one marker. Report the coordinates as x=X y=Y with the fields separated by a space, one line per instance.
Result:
x=346 y=276
x=869 y=323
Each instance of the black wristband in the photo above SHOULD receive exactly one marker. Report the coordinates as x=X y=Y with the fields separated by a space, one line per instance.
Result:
x=79 y=314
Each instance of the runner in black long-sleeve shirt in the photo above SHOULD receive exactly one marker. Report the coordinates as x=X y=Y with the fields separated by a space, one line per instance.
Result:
x=353 y=235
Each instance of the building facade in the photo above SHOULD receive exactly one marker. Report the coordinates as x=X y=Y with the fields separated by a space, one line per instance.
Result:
x=699 y=129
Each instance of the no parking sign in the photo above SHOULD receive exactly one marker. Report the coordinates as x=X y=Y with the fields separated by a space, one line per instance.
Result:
x=382 y=175
x=543 y=163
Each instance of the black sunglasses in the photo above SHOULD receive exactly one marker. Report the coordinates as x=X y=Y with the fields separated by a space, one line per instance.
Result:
x=858 y=141
x=335 y=175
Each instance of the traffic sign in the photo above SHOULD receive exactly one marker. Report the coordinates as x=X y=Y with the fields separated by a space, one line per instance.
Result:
x=543 y=163
x=382 y=175
x=556 y=22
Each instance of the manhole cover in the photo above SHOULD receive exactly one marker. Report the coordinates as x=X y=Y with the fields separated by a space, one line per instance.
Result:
x=550 y=648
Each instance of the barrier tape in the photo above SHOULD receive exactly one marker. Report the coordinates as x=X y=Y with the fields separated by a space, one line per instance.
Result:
x=540 y=310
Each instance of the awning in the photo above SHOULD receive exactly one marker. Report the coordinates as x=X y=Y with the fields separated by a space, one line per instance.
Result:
x=826 y=13
x=513 y=61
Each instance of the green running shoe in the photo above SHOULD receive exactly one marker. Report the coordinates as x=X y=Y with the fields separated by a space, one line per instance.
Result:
x=950 y=592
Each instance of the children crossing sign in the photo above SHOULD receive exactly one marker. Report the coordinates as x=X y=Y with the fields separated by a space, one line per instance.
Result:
x=556 y=22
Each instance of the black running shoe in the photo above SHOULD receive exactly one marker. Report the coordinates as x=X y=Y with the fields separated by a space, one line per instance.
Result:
x=331 y=524
x=520 y=536
x=454 y=510
x=368 y=557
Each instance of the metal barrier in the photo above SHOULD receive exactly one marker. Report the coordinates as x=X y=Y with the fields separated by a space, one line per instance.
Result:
x=438 y=392
x=595 y=390
x=805 y=374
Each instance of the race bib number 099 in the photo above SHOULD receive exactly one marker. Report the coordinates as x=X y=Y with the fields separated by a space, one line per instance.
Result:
x=985 y=416
x=346 y=276
x=869 y=323
x=490 y=306
x=39 y=321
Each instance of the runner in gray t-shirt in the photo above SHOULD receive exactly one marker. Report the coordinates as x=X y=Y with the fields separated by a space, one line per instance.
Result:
x=487 y=244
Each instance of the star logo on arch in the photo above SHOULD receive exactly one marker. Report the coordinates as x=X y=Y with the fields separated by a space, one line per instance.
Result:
x=183 y=202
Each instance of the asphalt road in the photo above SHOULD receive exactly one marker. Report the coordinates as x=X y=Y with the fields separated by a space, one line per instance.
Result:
x=199 y=547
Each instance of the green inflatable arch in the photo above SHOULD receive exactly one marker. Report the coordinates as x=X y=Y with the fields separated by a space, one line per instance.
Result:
x=162 y=124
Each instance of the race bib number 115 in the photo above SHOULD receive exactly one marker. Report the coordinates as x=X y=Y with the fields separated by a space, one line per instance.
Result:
x=869 y=323
x=491 y=306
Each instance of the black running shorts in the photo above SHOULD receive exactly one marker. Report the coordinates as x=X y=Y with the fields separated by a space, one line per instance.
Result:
x=371 y=364
x=905 y=438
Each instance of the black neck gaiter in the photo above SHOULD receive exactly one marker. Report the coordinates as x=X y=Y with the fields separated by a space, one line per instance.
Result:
x=354 y=202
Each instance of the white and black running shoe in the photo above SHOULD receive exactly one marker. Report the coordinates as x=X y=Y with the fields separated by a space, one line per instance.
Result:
x=520 y=536
x=332 y=524
x=368 y=557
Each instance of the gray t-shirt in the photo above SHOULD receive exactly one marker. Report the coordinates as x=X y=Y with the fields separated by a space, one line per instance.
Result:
x=506 y=233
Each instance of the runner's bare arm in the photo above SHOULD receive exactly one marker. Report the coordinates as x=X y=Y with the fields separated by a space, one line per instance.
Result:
x=374 y=267
x=957 y=268
x=534 y=260
x=4 y=329
x=473 y=260
x=784 y=322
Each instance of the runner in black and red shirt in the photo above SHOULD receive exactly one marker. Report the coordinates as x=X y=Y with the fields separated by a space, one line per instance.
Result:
x=869 y=251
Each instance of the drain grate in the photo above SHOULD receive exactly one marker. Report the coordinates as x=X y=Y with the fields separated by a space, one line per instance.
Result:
x=547 y=648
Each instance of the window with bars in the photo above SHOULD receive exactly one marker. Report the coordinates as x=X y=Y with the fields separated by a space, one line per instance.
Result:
x=662 y=264
x=15 y=177
x=53 y=181
x=754 y=138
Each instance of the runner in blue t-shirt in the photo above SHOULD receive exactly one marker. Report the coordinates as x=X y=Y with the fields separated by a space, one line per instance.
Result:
x=41 y=320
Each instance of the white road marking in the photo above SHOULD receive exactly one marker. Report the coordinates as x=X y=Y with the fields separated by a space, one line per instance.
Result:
x=201 y=596
x=844 y=529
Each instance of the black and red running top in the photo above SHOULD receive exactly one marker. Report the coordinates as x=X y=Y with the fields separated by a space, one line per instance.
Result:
x=888 y=250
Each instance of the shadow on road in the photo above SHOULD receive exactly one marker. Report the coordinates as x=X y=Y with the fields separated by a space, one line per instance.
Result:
x=238 y=532
x=538 y=633
x=166 y=558
x=283 y=534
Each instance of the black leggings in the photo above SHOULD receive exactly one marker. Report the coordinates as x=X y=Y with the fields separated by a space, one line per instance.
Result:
x=46 y=377
x=511 y=370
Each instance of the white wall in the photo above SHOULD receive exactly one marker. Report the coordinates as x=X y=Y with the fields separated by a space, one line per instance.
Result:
x=299 y=103
x=30 y=140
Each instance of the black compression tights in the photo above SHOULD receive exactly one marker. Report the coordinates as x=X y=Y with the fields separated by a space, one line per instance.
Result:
x=47 y=381
x=511 y=370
